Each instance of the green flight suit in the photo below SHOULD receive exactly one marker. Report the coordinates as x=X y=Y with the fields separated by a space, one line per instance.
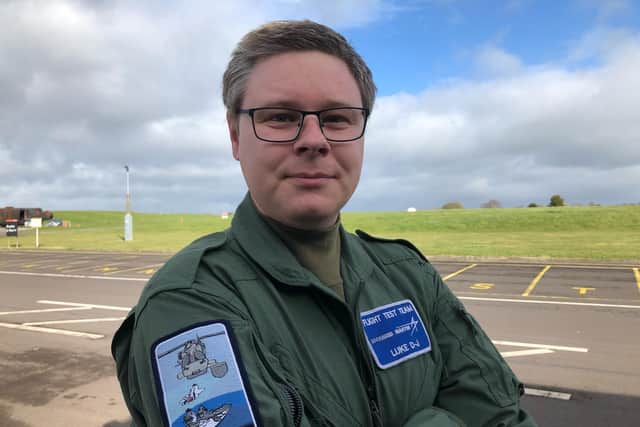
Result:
x=304 y=351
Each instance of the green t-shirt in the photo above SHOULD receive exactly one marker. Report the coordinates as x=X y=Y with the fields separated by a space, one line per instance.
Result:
x=317 y=250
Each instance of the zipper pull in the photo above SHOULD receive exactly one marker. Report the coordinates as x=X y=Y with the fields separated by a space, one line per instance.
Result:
x=375 y=413
x=296 y=407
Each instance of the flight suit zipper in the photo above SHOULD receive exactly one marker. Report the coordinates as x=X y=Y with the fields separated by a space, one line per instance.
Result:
x=296 y=407
x=368 y=371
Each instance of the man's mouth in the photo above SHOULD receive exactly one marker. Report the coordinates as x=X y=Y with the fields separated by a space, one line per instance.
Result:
x=310 y=179
x=306 y=175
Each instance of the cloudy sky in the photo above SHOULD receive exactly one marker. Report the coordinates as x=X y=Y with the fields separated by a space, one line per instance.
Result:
x=509 y=100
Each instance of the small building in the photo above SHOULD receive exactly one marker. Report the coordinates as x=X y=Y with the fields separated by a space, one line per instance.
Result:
x=22 y=214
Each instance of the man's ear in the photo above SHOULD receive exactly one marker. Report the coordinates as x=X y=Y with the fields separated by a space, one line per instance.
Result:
x=233 y=123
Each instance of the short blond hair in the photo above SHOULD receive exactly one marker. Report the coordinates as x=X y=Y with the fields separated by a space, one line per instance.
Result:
x=279 y=37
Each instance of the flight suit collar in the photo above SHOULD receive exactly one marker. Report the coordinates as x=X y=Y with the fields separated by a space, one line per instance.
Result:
x=264 y=246
x=266 y=249
x=354 y=257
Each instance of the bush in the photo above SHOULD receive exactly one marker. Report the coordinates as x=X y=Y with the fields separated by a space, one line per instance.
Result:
x=491 y=204
x=532 y=205
x=556 y=200
x=452 y=205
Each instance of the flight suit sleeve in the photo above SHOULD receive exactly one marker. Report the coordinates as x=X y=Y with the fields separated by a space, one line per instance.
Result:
x=273 y=401
x=477 y=385
x=434 y=417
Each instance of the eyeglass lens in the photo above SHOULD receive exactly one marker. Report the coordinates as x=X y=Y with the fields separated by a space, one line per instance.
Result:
x=281 y=124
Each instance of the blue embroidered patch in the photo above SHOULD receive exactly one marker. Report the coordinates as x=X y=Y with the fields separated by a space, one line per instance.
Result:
x=395 y=333
x=199 y=379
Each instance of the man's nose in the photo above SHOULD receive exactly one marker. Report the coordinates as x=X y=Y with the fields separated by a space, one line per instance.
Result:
x=311 y=139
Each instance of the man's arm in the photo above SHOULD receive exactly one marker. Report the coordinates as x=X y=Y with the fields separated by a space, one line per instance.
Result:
x=272 y=401
x=477 y=384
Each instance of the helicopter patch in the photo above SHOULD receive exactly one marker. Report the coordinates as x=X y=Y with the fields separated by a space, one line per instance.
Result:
x=199 y=379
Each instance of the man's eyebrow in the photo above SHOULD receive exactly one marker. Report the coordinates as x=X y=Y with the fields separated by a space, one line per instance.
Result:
x=297 y=106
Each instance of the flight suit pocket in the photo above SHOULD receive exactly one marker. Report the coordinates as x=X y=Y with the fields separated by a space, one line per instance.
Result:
x=321 y=408
x=274 y=378
x=477 y=347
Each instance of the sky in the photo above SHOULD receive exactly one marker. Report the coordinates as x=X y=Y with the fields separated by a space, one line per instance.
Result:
x=511 y=100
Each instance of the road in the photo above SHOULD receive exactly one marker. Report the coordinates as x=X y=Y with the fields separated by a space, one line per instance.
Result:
x=568 y=331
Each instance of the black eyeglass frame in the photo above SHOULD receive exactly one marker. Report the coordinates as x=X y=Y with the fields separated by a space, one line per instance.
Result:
x=251 y=111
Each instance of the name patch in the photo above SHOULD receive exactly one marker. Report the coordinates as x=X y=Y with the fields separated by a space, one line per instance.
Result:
x=199 y=379
x=395 y=333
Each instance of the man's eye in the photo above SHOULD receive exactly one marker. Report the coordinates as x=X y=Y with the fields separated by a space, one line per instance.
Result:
x=283 y=117
x=337 y=118
x=276 y=116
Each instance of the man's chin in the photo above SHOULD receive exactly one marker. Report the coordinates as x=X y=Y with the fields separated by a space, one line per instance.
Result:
x=313 y=217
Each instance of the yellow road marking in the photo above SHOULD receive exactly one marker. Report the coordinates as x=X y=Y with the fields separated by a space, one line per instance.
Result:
x=92 y=267
x=583 y=291
x=483 y=286
x=39 y=264
x=535 y=281
x=637 y=274
x=447 y=277
x=73 y=266
x=146 y=269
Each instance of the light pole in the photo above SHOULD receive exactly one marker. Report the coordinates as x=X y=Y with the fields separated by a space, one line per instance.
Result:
x=128 y=219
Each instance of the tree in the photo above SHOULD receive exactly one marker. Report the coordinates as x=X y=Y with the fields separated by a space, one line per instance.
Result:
x=491 y=204
x=532 y=205
x=452 y=205
x=556 y=200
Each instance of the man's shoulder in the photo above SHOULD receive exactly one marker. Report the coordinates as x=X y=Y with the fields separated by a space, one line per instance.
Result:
x=390 y=249
x=179 y=275
x=179 y=272
x=407 y=269
x=183 y=265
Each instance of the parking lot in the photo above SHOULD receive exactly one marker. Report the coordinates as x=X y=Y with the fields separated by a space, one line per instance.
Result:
x=563 y=327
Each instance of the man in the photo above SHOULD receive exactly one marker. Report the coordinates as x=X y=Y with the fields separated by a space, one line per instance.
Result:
x=318 y=326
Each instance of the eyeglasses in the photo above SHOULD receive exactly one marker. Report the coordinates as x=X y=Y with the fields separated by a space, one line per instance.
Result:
x=283 y=125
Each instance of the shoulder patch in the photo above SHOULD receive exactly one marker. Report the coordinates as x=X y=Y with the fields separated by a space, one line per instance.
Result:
x=368 y=237
x=395 y=333
x=200 y=380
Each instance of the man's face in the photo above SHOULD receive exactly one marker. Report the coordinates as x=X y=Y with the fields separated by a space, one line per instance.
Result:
x=303 y=184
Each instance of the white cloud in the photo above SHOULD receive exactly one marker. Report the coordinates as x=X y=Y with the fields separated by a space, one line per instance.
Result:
x=607 y=9
x=603 y=44
x=493 y=61
x=86 y=87
x=518 y=139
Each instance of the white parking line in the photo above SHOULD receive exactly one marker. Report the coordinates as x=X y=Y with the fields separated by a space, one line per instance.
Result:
x=79 y=304
x=54 y=322
x=72 y=276
x=547 y=393
x=46 y=310
x=585 y=304
x=550 y=347
x=517 y=353
x=52 y=331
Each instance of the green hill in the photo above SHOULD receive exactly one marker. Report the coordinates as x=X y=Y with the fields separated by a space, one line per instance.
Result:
x=598 y=232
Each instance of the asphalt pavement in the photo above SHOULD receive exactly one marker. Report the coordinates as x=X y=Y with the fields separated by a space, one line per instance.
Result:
x=568 y=330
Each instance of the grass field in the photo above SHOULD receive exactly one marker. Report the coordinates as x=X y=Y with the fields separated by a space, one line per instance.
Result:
x=598 y=232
